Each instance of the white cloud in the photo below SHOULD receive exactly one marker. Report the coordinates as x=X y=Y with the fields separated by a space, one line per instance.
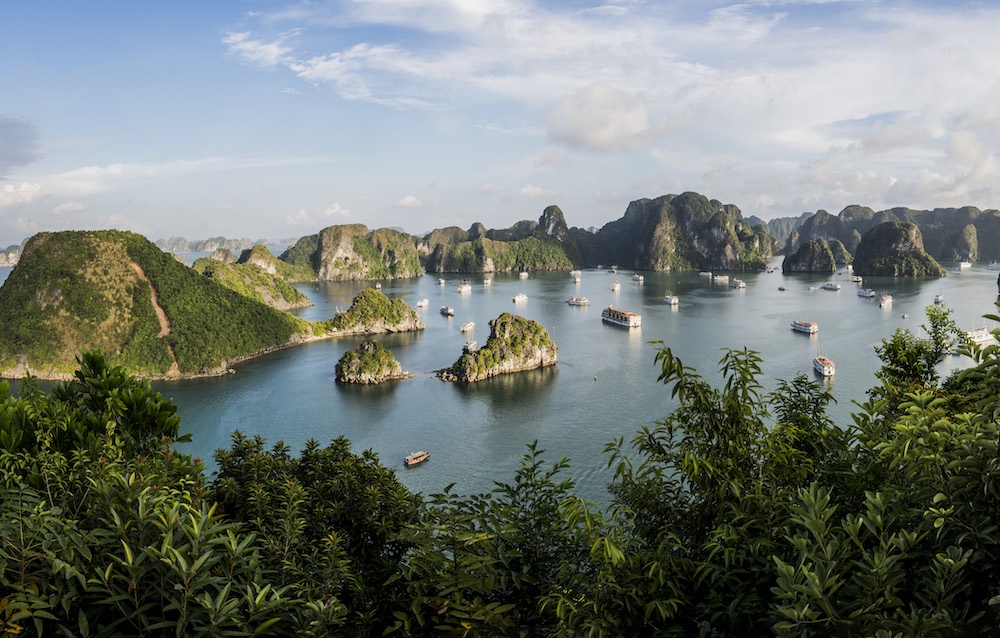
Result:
x=409 y=201
x=12 y=196
x=336 y=210
x=602 y=118
x=299 y=218
x=69 y=207
x=491 y=189
x=535 y=192
x=258 y=52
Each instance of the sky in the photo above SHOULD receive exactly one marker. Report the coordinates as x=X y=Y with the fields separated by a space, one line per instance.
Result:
x=246 y=118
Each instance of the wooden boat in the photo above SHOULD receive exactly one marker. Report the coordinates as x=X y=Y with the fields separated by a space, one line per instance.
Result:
x=416 y=457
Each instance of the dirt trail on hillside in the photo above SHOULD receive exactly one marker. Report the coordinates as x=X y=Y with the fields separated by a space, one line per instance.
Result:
x=175 y=370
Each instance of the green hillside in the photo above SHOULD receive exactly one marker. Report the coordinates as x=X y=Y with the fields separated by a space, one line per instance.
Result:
x=117 y=292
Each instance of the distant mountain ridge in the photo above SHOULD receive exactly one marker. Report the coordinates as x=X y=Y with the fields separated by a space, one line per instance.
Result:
x=672 y=232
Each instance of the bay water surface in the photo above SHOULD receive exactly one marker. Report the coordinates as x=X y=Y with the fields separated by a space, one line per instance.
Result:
x=603 y=387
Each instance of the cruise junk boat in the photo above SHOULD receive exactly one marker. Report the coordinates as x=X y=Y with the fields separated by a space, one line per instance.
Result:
x=622 y=318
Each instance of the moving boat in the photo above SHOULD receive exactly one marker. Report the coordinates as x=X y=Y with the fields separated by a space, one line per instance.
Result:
x=470 y=346
x=378 y=286
x=995 y=265
x=575 y=274
x=523 y=274
x=520 y=297
x=422 y=303
x=467 y=326
x=416 y=457
x=830 y=286
x=465 y=286
x=440 y=281
x=578 y=301
x=622 y=318
x=738 y=283
x=720 y=278
x=867 y=293
x=857 y=279
x=616 y=285
x=965 y=264
x=939 y=298
x=487 y=281
x=807 y=327
x=885 y=300
x=671 y=300
x=705 y=273
x=448 y=311
x=824 y=366
x=637 y=277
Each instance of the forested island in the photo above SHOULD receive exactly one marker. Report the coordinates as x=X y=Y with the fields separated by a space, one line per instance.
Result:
x=738 y=513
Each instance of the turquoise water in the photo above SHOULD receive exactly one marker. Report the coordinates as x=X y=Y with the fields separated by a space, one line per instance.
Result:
x=603 y=387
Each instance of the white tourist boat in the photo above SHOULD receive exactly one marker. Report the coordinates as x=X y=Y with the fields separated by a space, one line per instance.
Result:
x=519 y=297
x=720 y=278
x=616 y=285
x=465 y=286
x=884 y=300
x=523 y=274
x=578 y=301
x=440 y=281
x=487 y=281
x=939 y=298
x=807 y=327
x=447 y=311
x=738 y=283
x=467 y=326
x=979 y=336
x=964 y=264
x=995 y=265
x=378 y=286
x=671 y=300
x=622 y=318
x=705 y=273
x=867 y=293
x=824 y=366
x=422 y=303
x=830 y=286
x=857 y=279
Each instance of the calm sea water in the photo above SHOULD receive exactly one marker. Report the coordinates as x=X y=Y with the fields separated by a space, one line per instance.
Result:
x=603 y=387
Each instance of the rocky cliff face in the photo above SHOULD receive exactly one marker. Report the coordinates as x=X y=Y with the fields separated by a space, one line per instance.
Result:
x=515 y=344
x=351 y=252
x=895 y=249
x=224 y=255
x=813 y=256
x=369 y=363
x=679 y=232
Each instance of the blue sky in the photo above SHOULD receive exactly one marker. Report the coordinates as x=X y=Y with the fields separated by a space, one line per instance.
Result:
x=276 y=119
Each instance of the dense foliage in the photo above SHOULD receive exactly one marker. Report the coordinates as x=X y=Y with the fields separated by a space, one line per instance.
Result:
x=78 y=290
x=895 y=249
x=740 y=513
x=512 y=339
x=253 y=282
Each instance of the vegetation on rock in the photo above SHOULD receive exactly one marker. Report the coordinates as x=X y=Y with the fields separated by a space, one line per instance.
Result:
x=351 y=252
x=117 y=292
x=895 y=249
x=813 y=256
x=253 y=281
x=372 y=312
x=369 y=363
x=515 y=343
